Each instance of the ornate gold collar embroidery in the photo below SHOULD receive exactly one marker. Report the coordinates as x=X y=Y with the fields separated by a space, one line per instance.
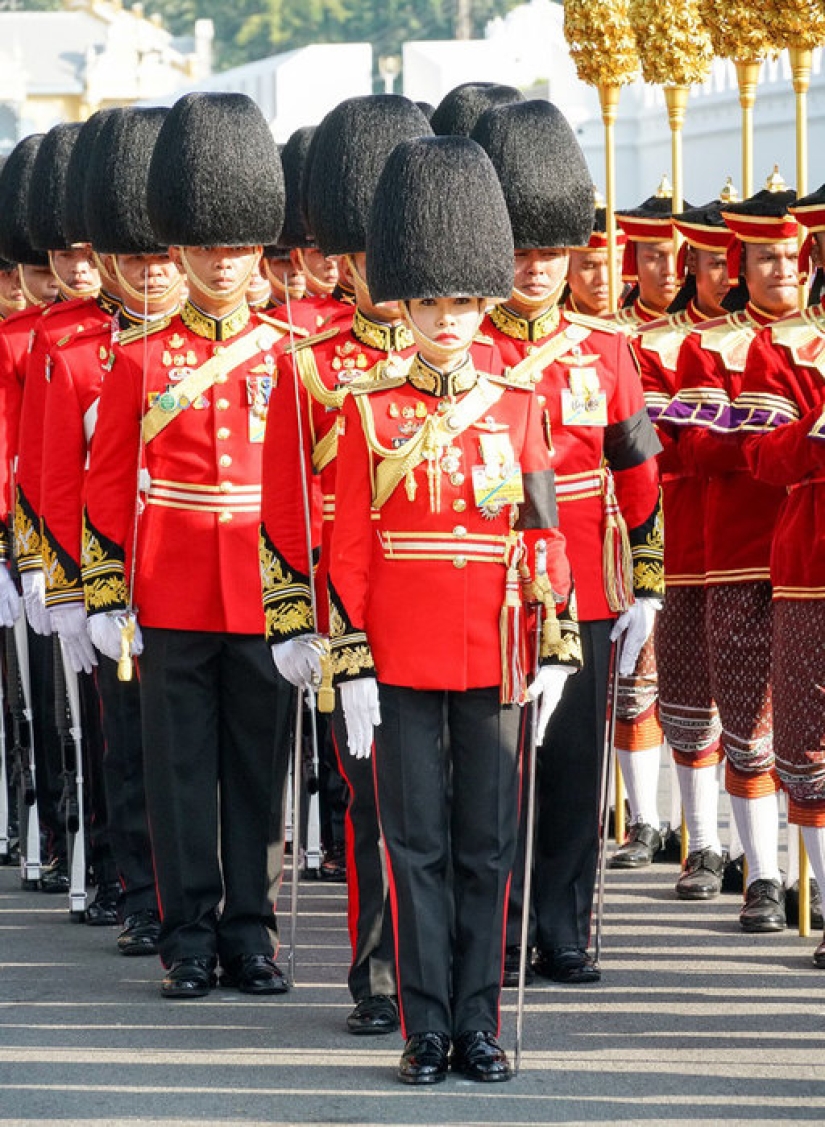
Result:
x=375 y=334
x=215 y=328
x=519 y=328
x=108 y=303
x=431 y=381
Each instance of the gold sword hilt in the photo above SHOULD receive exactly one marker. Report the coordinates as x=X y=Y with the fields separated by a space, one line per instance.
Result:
x=128 y=625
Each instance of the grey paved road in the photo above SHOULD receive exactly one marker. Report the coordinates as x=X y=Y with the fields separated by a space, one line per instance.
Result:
x=694 y=1022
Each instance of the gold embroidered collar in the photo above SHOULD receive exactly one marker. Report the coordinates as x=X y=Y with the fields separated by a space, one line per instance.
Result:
x=424 y=377
x=519 y=328
x=108 y=303
x=215 y=328
x=378 y=334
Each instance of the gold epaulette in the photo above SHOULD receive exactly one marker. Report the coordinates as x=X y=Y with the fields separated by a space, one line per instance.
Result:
x=730 y=338
x=89 y=334
x=318 y=338
x=284 y=326
x=665 y=338
x=482 y=338
x=382 y=376
x=144 y=329
x=594 y=323
x=804 y=337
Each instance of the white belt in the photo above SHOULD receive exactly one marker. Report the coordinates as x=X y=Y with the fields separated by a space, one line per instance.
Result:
x=328 y=511
x=459 y=546
x=226 y=496
x=577 y=486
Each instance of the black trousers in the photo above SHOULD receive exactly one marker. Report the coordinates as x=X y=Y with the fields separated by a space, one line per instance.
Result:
x=568 y=778
x=449 y=812
x=215 y=744
x=372 y=970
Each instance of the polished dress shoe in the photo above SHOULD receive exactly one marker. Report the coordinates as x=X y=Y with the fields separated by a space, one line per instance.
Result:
x=376 y=1014
x=764 y=908
x=424 y=1060
x=701 y=877
x=254 y=974
x=189 y=978
x=733 y=878
x=333 y=868
x=819 y=956
x=792 y=905
x=567 y=964
x=140 y=933
x=54 y=877
x=478 y=1056
x=102 y=912
x=511 y=964
x=641 y=844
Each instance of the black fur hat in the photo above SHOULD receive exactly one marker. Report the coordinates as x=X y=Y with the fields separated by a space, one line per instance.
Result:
x=295 y=231
x=350 y=149
x=460 y=108
x=116 y=214
x=439 y=225
x=427 y=108
x=15 y=242
x=215 y=177
x=74 y=213
x=546 y=182
x=47 y=191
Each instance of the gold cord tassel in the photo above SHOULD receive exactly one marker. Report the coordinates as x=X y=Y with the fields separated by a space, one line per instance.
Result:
x=616 y=555
x=511 y=629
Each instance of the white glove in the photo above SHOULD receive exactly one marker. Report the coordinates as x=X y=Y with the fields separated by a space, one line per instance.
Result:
x=106 y=633
x=547 y=688
x=299 y=660
x=34 y=600
x=634 y=626
x=69 y=623
x=9 y=599
x=362 y=713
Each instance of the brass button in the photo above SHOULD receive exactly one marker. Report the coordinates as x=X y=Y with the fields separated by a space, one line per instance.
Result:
x=459 y=531
x=542 y=400
x=456 y=479
x=225 y=460
x=222 y=405
x=459 y=561
x=224 y=517
x=226 y=487
x=459 y=505
x=223 y=433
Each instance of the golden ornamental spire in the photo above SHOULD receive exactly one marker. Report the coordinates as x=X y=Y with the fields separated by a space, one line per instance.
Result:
x=729 y=192
x=665 y=189
x=775 y=182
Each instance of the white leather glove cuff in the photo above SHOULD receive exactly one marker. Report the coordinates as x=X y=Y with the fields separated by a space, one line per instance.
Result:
x=547 y=689
x=9 y=598
x=362 y=713
x=634 y=626
x=298 y=660
x=105 y=633
x=34 y=600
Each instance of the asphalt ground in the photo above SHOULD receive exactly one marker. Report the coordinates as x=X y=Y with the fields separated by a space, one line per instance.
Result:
x=693 y=1022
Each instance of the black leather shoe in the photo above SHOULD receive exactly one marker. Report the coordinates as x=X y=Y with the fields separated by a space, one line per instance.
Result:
x=376 y=1014
x=641 y=844
x=701 y=877
x=102 y=912
x=140 y=933
x=333 y=868
x=511 y=962
x=189 y=978
x=478 y=1056
x=733 y=879
x=254 y=974
x=567 y=964
x=764 y=908
x=424 y=1060
x=819 y=956
x=54 y=877
x=792 y=905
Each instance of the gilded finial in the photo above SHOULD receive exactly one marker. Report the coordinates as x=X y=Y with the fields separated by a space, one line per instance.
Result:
x=729 y=193
x=665 y=189
x=775 y=183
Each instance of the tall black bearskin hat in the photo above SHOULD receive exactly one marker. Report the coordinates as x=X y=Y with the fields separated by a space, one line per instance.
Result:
x=295 y=232
x=215 y=177
x=47 y=191
x=547 y=186
x=116 y=213
x=351 y=146
x=427 y=108
x=15 y=241
x=439 y=225
x=460 y=108
x=74 y=203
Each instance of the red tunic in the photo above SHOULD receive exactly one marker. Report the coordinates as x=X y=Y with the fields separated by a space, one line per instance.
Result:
x=197 y=547
x=623 y=441
x=740 y=512
x=417 y=569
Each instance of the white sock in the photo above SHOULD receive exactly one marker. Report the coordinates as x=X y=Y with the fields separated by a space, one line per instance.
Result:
x=814 y=838
x=640 y=772
x=735 y=847
x=675 y=798
x=792 y=867
x=700 y=804
x=757 y=820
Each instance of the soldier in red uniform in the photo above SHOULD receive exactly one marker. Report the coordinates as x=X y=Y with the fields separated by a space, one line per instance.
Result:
x=438 y=514
x=353 y=141
x=781 y=413
x=687 y=712
x=740 y=514
x=588 y=271
x=649 y=260
x=186 y=401
x=603 y=448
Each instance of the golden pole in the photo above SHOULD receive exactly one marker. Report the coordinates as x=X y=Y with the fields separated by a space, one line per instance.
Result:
x=676 y=98
x=747 y=76
x=609 y=101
